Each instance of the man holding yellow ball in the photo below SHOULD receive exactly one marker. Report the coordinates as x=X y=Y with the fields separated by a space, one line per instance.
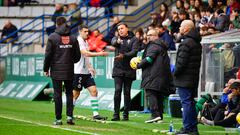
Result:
x=156 y=74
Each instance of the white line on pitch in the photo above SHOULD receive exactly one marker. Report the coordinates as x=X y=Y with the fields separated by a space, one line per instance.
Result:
x=45 y=125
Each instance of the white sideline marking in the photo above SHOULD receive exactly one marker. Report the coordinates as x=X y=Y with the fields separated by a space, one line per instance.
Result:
x=45 y=125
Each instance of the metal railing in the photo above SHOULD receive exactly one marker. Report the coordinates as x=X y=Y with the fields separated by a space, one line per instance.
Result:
x=40 y=21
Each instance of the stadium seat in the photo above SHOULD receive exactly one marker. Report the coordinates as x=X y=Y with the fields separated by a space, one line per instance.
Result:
x=46 y=2
x=4 y=11
x=26 y=12
x=49 y=10
x=72 y=1
x=13 y=11
x=37 y=11
x=60 y=1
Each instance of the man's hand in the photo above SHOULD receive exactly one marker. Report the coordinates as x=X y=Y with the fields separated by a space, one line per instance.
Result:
x=119 y=41
x=119 y=57
x=104 y=53
x=46 y=74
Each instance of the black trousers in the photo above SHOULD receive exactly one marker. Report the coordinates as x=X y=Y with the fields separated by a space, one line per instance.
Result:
x=228 y=122
x=215 y=112
x=57 y=86
x=125 y=83
x=155 y=102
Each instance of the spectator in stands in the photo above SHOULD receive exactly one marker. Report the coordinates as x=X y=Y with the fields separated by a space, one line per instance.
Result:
x=203 y=12
x=179 y=6
x=112 y=31
x=235 y=19
x=210 y=16
x=126 y=45
x=221 y=5
x=61 y=53
x=76 y=18
x=96 y=44
x=166 y=37
x=192 y=5
x=141 y=36
x=155 y=18
x=187 y=6
x=183 y=15
x=84 y=72
x=164 y=12
x=58 y=12
x=175 y=23
x=65 y=10
x=191 y=15
x=227 y=119
x=186 y=74
x=155 y=67
x=151 y=26
x=209 y=112
x=198 y=5
x=222 y=21
x=197 y=20
x=212 y=4
x=233 y=4
x=7 y=30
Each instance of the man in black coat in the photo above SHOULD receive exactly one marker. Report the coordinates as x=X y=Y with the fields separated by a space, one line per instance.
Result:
x=156 y=74
x=112 y=31
x=126 y=45
x=61 y=53
x=8 y=29
x=186 y=75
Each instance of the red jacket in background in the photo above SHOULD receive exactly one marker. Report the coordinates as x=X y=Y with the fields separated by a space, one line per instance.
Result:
x=95 y=43
x=95 y=3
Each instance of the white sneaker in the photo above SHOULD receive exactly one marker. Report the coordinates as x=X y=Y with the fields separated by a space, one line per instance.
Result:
x=153 y=120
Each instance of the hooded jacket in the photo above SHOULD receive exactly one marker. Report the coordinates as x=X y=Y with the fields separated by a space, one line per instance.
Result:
x=61 y=53
x=188 y=60
x=129 y=49
x=155 y=64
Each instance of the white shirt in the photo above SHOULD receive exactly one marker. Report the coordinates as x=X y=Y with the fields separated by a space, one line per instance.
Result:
x=81 y=67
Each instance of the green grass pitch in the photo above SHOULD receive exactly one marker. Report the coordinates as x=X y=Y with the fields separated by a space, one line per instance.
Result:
x=18 y=117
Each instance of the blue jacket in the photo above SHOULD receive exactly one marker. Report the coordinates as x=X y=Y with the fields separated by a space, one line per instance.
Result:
x=166 y=37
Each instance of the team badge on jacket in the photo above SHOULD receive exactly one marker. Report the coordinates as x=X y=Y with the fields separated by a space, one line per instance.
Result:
x=65 y=39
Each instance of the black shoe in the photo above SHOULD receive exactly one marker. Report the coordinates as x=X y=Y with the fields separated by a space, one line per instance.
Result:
x=70 y=122
x=152 y=120
x=115 y=119
x=183 y=131
x=98 y=117
x=125 y=119
x=57 y=122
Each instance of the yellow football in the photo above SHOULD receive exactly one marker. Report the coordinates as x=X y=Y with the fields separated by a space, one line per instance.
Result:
x=238 y=118
x=134 y=61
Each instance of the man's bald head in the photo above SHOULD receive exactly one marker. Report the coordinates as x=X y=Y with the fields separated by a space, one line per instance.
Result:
x=186 y=26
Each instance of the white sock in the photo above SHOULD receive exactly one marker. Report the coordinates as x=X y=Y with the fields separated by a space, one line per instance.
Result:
x=94 y=104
